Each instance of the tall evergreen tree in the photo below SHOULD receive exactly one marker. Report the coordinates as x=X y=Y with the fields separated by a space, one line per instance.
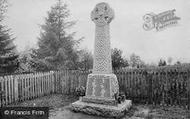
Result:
x=8 y=56
x=57 y=46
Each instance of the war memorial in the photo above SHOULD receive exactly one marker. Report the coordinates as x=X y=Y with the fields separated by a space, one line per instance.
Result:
x=102 y=84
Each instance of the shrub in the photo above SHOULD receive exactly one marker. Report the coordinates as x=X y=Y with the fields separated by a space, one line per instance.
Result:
x=120 y=97
x=80 y=91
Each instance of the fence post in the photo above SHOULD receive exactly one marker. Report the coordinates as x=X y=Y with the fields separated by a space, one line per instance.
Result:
x=188 y=90
x=149 y=76
x=1 y=91
x=54 y=82
x=16 y=88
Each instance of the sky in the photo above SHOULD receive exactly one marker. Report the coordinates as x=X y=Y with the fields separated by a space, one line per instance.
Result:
x=126 y=31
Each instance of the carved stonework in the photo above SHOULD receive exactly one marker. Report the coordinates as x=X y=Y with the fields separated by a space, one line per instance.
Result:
x=102 y=15
x=102 y=82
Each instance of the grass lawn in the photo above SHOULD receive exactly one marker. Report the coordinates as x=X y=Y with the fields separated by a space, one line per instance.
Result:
x=58 y=104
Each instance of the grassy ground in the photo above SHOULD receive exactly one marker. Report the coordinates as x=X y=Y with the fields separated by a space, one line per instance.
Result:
x=57 y=104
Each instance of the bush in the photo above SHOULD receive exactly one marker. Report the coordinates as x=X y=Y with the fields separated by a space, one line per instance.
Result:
x=80 y=91
x=120 y=97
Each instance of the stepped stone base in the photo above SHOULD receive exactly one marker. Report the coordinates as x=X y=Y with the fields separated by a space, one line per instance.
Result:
x=99 y=100
x=102 y=110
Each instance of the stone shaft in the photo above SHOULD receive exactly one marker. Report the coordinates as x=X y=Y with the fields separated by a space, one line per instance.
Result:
x=102 y=83
x=102 y=52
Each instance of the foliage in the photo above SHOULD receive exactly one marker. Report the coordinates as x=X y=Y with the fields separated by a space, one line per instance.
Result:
x=31 y=63
x=80 y=91
x=8 y=56
x=26 y=61
x=57 y=47
x=85 y=60
x=117 y=60
x=120 y=97
x=3 y=8
x=178 y=63
x=135 y=61
x=162 y=63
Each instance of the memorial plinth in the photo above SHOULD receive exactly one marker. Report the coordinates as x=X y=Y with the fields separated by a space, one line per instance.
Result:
x=102 y=84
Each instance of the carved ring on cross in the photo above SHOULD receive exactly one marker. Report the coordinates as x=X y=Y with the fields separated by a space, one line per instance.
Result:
x=102 y=14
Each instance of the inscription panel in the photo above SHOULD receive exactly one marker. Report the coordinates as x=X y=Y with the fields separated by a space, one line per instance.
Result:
x=99 y=86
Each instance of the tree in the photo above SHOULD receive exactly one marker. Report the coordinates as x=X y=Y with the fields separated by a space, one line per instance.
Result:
x=57 y=47
x=178 y=63
x=117 y=60
x=162 y=63
x=135 y=61
x=26 y=60
x=85 y=60
x=3 y=8
x=8 y=56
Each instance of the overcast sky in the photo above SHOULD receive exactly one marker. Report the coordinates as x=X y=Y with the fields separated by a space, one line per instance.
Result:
x=127 y=34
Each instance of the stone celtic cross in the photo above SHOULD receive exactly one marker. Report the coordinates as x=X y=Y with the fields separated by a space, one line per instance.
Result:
x=102 y=83
x=102 y=15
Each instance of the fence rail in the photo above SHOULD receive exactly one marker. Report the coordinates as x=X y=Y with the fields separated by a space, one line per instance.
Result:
x=167 y=85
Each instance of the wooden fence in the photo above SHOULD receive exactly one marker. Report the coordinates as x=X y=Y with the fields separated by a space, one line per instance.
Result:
x=22 y=87
x=166 y=85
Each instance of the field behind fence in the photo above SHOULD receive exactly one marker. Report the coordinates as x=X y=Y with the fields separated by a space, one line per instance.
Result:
x=166 y=85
